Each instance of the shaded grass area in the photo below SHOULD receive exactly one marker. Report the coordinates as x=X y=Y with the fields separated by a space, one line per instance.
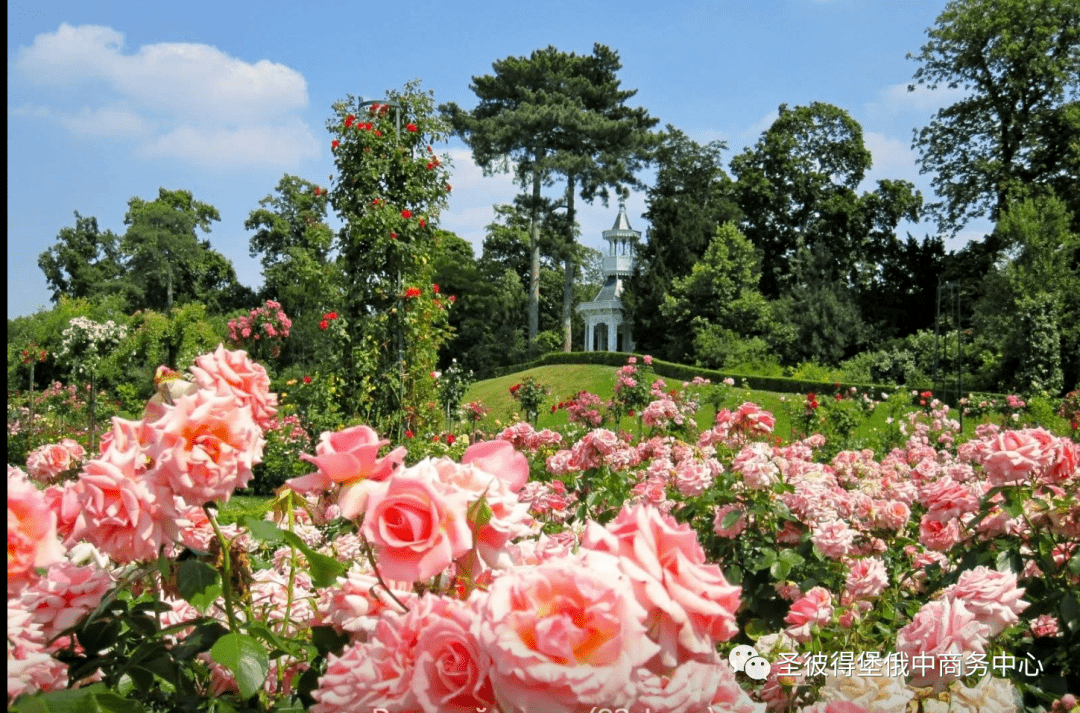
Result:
x=243 y=506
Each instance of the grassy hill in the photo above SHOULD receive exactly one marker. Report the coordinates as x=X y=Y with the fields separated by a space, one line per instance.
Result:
x=565 y=380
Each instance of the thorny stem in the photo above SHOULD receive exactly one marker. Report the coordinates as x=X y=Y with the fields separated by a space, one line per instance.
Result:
x=226 y=567
x=378 y=575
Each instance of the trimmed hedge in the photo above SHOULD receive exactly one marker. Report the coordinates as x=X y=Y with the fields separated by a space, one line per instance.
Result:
x=683 y=372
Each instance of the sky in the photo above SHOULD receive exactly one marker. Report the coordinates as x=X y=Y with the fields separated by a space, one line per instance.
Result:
x=112 y=100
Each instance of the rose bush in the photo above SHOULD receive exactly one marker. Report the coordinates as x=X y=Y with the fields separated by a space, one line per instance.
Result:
x=540 y=571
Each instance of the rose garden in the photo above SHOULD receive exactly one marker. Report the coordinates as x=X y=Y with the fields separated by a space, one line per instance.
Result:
x=306 y=500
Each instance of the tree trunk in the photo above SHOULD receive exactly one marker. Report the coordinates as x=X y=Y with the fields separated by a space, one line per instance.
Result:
x=168 y=290
x=568 y=269
x=534 y=267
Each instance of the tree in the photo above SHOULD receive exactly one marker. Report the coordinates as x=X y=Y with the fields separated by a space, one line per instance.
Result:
x=797 y=189
x=1018 y=62
x=720 y=292
x=692 y=196
x=294 y=242
x=85 y=262
x=164 y=253
x=1032 y=290
x=553 y=114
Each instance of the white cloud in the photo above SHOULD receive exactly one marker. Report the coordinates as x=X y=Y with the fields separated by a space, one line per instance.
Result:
x=259 y=145
x=107 y=121
x=207 y=107
x=30 y=110
x=892 y=158
x=473 y=197
x=896 y=99
x=181 y=78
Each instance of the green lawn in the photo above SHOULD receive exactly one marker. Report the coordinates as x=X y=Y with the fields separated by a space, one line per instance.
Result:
x=565 y=380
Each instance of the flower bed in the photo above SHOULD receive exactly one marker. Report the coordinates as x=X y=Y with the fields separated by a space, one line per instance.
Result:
x=679 y=570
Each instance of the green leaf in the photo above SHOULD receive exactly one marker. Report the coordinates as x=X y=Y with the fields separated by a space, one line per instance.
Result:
x=1070 y=612
x=324 y=570
x=792 y=558
x=757 y=628
x=91 y=699
x=246 y=658
x=780 y=569
x=264 y=530
x=201 y=639
x=198 y=583
x=730 y=519
x=327 y=641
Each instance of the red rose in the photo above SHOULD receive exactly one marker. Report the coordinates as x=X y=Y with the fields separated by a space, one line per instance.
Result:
x=448 y=187
x=435 y=289
x=349 y=120
x=408 y=434
x=334 y=144
x=323 y=324
x=406 y=214
x=307 y=379
x=393 y=236
x=430 y=166
x=333 y=315
x=423 y=223
x=514 y=388
x=378 y=133
x=453 y=298
x=412 y=292
x=411 y=128
x=450 y=439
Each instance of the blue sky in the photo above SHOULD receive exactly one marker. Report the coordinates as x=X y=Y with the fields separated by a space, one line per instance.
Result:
x=109 y=100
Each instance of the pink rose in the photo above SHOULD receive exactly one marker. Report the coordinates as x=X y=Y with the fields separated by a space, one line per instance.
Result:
x=833 y=538
x=694 y=605
x=349 y=457
x=451 y=671
x=814 y=608
x=755 y=464
x=992 y=596
x=867 y=578
x=32 y=540
x=30 y=666
x=47 y=462
x=1016 y=456
x=689 y=688
x=417 y=525
x=59 y=600
x=499 y=458
x=232 y=373
x=204 y=447
x=945 y=626
x=834 y=707
x=937 y=534
x=563 y=636
x=122 y=514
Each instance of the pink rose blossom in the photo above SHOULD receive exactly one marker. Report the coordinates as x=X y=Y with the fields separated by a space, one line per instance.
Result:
x=563 y=636
x=755 y=464
x=834 y=538
x=690 y=688
x=204 y=447
x=945 y=626
x=813 y=608
x=30 y=666
x=939 y=535
x=65 y=595
x=451 y=671
x=121 y=513
x=349 y=457
x=695 y=606
x=1045 y=625
x=1017 y=456
x=32 y=540
x=499 y=458
x=46 y=463
x=417 y=525
x=992 y=596
x=867 y=578
x=232 y=373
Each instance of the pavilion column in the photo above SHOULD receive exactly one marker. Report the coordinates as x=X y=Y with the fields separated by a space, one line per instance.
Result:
x=588 y=334
x=613 y=330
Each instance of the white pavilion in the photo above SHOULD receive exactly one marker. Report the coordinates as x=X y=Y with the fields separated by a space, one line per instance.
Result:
x=605 y=329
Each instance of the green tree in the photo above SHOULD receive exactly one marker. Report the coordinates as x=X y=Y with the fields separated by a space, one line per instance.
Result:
x=1018 y=62
x=85 y=262
x=389 y=190
x=555 y=114
x=294 y=242
x=720 y=292
x=692 y=196
x=1029 y=314
x=166 y=260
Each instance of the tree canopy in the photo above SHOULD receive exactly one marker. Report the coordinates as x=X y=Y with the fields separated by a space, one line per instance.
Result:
x=1018 y=123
